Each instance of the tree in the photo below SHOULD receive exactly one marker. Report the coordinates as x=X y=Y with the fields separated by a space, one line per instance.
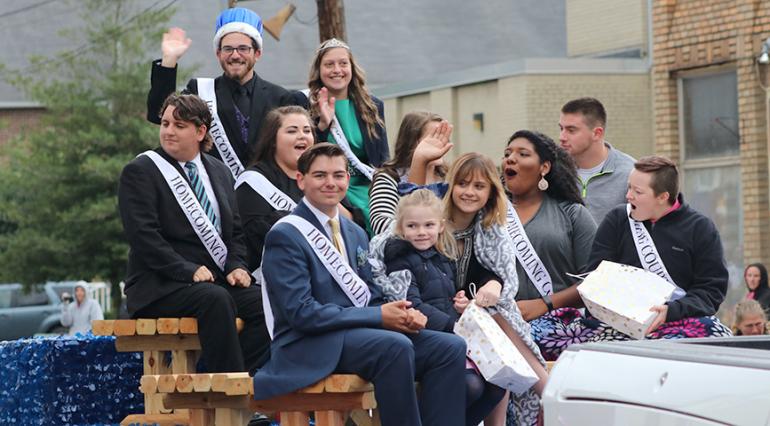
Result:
x=58 y=196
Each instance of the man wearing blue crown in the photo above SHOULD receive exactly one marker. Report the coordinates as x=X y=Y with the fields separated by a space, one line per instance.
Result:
x=238 y=99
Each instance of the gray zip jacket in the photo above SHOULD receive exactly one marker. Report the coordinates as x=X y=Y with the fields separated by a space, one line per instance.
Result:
x=606 y=189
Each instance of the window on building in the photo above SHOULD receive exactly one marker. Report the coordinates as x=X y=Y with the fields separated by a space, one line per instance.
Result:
x=710 y=152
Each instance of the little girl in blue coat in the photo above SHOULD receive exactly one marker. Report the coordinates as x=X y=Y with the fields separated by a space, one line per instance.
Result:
x=425 y=247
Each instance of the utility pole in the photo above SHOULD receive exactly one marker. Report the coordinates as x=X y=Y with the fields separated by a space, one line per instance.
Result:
x=331 y=19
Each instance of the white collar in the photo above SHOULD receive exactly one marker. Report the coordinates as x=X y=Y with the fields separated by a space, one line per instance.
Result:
x=322 y=217
x=197 y=161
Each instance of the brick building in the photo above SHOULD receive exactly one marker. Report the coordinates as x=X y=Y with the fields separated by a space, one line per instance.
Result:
x=710 y=115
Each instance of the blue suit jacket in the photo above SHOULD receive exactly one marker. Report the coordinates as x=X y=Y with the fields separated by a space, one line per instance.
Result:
x=311 y=311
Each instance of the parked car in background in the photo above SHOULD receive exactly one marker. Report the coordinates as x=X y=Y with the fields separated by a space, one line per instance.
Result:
x=24 y=313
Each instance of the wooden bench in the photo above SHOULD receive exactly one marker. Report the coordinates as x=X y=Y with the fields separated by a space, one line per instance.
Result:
x=227 y=399
x=156 y=338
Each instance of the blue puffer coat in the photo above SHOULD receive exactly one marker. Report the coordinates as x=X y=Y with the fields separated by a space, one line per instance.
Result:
x=433 y=281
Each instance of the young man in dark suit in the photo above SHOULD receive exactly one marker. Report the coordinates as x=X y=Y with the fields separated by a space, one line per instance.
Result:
x=327 y=317
x=186 y=254
x=241 y=97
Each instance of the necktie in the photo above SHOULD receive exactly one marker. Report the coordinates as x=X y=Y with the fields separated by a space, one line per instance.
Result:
x=337 y=237
x=242 y=101
x=200 y=192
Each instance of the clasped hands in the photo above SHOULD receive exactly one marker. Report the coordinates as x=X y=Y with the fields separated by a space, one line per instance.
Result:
x=400 y=316
x=238 y=277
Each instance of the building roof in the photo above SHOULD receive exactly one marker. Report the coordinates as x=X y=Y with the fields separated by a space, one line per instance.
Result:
x=395 y=41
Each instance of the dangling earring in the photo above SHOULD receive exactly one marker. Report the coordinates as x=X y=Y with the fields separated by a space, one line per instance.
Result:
x=543 y=184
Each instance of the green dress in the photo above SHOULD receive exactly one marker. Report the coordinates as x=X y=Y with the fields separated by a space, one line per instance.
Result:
x=358 y=191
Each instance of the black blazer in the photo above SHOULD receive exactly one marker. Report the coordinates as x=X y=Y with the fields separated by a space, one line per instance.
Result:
x=265 y=97
x=376 y=149
x=164 y=250
x=257 y=215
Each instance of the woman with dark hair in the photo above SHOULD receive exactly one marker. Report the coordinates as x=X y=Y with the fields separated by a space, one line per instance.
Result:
x=755 y=276
x=267 y=190
x=412 y=166
x=348 y=115
x=552 y=232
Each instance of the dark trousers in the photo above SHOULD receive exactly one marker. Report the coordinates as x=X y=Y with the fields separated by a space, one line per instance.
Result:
x=216 y=307
x=393 y=361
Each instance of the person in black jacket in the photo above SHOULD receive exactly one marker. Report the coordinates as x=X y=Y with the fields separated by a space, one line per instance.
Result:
x=242 y=98
x=425 y=247
x=687 y=242
x=286 y=134
x=186 y=256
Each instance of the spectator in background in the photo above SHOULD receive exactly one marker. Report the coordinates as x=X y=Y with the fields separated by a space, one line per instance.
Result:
x=750 y=319
x=78 y=316
x=602 y=170
x=755 y=276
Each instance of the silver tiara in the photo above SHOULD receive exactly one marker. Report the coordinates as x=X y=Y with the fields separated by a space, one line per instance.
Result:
x=332 y=43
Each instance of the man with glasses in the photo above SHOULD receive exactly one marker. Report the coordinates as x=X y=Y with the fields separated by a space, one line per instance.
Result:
x=238 y=99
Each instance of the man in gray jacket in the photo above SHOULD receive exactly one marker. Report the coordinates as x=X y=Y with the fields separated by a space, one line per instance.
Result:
x=602 y=170
x=78 y=316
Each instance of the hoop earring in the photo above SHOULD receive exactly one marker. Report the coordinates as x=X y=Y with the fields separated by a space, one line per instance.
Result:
x=543 y=184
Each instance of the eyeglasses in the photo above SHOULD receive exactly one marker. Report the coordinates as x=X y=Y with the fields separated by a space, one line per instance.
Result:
x=242 y=50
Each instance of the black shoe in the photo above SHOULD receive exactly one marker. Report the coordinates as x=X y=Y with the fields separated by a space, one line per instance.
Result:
x=259 y=419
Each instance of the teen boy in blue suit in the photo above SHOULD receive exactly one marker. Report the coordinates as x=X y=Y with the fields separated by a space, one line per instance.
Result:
x=318 y=330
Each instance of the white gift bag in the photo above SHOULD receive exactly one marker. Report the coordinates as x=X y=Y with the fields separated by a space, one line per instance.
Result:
x=492 y=351
x=622 y=295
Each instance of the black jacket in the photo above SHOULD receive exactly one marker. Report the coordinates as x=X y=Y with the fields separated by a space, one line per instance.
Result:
x=164 y=250
x=257 y=215
x=690 y=247
x=433 y=281
x=265 y=97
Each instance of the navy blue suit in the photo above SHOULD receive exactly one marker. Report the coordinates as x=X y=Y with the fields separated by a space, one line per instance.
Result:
x=318 y=331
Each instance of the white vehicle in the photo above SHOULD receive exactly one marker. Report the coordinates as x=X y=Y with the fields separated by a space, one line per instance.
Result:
x=715 y=381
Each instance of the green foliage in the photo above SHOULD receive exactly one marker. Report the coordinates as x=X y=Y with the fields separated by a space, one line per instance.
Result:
x=58 y=206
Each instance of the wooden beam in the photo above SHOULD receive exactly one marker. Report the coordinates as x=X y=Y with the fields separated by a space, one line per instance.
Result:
x=184 y=383
x=167 y=383
x=239 y=386
x=201 y=382
x=102 y=327
x=172 y=419
x=145 y=327
x=148 y=384
x=319 y=402
x=346 y=383
x=232 y=416
x=330 y=418
x=168 y=325
x=124 y=327
x=206 y=400
x=219 y=380
x=157 y=343
x=294 y=418
x=188 y=326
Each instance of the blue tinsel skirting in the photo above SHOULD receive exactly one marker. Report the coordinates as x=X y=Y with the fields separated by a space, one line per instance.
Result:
x=78 y=380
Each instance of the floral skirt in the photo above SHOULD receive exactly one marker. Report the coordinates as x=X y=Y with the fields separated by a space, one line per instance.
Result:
x=556 y=330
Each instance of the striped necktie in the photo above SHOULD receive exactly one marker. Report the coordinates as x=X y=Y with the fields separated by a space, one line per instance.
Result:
x=200 y=192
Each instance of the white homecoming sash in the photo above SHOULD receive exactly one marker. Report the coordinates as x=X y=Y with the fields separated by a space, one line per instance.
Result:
x=648 y=253
x=217 y=131
x=354 y=287
x=526 y=254
x=259 y=183
x=191 y=207
x=339 y=136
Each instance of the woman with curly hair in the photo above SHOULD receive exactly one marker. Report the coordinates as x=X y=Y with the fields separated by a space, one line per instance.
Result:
x=348 y=115
x=552 y=232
